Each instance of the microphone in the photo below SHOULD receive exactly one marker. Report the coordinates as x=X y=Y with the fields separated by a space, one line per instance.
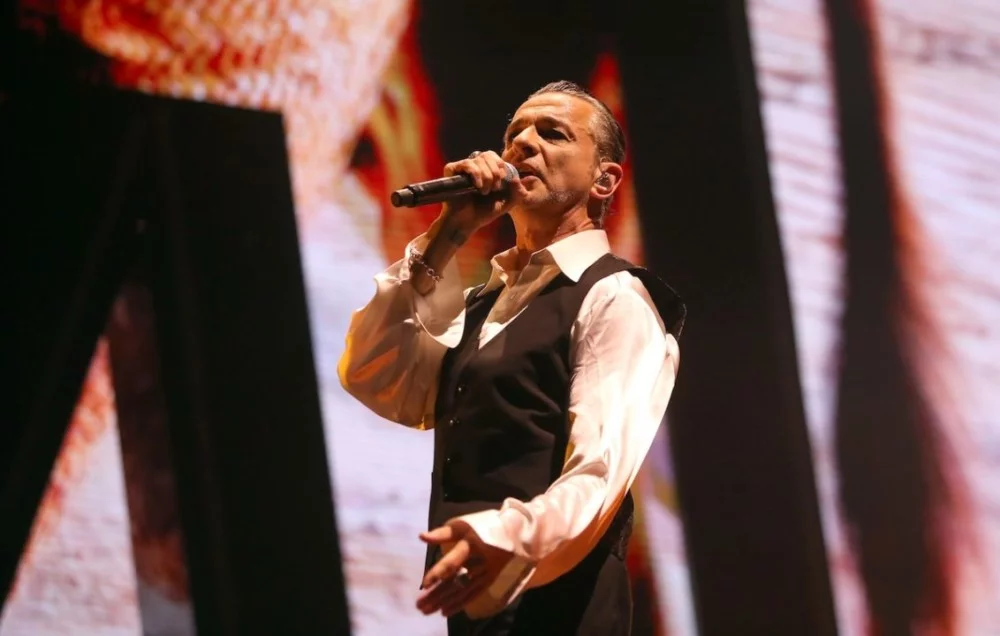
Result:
x=443 y=189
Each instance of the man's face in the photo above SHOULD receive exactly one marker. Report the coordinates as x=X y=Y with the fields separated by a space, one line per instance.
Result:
x=550 y=141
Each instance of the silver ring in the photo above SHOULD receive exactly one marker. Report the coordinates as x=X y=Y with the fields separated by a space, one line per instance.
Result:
x=462 y=578
x=475 y=153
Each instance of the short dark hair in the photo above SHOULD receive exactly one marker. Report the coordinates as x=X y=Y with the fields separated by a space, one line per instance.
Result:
x=608 y=133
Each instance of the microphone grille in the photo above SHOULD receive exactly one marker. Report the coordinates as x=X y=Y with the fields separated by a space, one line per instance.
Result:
x=511 y=172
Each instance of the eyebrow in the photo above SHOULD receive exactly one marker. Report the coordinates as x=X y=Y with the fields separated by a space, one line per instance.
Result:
x=544 y=119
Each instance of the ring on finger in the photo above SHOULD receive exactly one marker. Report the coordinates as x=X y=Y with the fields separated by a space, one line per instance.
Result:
x=462 y=579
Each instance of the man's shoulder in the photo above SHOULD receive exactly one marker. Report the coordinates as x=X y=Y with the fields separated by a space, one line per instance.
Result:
x=615 y=276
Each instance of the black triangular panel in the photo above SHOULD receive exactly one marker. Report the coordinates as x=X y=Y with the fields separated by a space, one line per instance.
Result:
x=190 y=204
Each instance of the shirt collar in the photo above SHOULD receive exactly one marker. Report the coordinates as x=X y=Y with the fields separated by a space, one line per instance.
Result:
x=572 y=255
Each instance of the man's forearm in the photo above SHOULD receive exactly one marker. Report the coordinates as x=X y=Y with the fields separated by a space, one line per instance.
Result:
x=444 y=236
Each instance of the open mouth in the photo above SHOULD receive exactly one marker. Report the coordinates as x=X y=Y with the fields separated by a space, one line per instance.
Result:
x=524 y=173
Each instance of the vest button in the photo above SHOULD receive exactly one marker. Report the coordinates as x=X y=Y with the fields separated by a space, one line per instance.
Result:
x=461 y=389
x=453 y=421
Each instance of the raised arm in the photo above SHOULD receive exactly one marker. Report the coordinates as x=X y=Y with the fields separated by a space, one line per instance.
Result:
x=395 y=343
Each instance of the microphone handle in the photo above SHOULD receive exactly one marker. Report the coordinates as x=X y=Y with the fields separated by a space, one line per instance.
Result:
x=434 y=191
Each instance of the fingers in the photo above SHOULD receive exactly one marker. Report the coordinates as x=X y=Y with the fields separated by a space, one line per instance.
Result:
x=487 y=170
x=458 y=577
x=452 y=605
x=447 y=567
x=498 y=169
x=449 y=597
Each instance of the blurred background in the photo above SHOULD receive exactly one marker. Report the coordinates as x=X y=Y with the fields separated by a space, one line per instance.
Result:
x=816 y=179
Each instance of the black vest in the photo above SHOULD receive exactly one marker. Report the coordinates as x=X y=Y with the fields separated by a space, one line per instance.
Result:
x=501 y=412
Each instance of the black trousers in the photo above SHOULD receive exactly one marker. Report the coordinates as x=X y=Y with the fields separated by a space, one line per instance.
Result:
x=593 y=599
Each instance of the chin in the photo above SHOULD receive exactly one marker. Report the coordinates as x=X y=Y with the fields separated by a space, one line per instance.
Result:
x=535 y=198
x=527 y=207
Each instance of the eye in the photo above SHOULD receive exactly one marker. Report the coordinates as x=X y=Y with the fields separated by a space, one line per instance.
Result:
x=552 y=133
x=509 y=137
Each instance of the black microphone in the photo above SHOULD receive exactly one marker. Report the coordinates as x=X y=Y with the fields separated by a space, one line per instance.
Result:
x=443 y=189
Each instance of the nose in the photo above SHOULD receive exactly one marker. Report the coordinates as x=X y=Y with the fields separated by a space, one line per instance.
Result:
x=525 y=143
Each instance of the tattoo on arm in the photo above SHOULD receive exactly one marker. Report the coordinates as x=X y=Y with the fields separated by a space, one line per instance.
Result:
x=458 y=237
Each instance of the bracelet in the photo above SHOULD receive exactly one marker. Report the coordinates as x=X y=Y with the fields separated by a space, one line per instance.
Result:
x=416 y=258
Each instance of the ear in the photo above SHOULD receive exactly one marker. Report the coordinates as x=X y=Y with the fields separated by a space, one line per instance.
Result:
x=607 y=178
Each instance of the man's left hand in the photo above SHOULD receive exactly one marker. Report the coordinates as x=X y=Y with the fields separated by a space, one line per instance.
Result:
x=463 y=573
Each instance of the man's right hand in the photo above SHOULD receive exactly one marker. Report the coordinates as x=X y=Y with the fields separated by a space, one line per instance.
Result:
x=460 y=218
x=472 y=212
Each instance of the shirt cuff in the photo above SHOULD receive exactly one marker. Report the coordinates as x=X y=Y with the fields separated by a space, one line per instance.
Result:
x=440 y=312
x=504 y=590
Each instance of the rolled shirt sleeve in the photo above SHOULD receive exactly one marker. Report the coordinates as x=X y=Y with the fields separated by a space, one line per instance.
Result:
x=395 y=343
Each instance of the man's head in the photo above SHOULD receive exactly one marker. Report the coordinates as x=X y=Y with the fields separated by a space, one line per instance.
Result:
x=571 y=144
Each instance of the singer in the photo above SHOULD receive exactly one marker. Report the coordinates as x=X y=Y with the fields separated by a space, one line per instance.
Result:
x=544 y=386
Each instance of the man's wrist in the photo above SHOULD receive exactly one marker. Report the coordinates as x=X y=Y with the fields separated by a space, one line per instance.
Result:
x=423 y=277
x=418 y=263
x=443 y=238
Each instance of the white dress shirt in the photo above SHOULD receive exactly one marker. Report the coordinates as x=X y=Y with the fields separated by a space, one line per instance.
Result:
x=623 y=366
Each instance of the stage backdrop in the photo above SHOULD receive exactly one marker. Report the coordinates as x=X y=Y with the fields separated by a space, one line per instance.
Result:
x=892 y=271
x=373 y=98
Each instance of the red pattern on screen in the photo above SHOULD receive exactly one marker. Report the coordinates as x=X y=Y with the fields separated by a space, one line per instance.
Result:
x=401 y=146
x=622 y=222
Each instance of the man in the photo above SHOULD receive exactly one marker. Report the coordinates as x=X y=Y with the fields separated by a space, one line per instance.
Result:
x=544 y=387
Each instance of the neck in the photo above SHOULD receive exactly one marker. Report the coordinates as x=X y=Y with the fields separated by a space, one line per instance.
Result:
x=538 y=232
